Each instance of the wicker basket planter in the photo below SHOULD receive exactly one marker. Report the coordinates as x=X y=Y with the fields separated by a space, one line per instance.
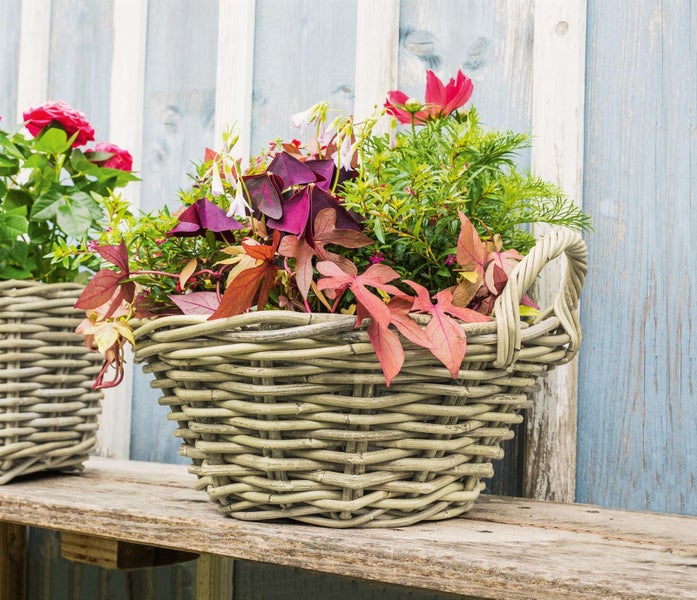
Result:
x=286 y=415
x=48 y=411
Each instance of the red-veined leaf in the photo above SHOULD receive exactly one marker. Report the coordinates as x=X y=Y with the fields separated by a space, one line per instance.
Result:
x=116 y=255
x=100 y=289
x=196 y=303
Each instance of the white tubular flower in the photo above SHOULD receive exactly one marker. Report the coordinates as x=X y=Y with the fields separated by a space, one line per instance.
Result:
x=302 y=119
x=239 y=206
x=217 y=182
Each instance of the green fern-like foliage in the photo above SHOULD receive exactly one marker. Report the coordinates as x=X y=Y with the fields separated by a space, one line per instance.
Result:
x=412 y=185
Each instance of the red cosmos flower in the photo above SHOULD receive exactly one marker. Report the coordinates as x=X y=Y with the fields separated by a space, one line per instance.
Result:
x=120 y=159
x=59 y=113
x=440 y=100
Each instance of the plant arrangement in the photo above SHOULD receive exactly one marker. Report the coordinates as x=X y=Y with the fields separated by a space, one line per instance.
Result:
x=56 y=192
x=413 y=230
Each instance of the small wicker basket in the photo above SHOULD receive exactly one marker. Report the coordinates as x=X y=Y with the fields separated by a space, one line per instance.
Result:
x=48 y=411
x=287 y=415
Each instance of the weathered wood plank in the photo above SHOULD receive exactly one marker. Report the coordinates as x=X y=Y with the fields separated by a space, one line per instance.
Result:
x=110 y=553
x=178 y=122
x=214 y=578
x=557 y=156
x=10 y=17
x=125 y=130
x=377 y=31
x=79 y=63
x=523 y=549
x=235 y=72
x=638 y=386
x=304 y=53
x=33 y=59
x=13 y=567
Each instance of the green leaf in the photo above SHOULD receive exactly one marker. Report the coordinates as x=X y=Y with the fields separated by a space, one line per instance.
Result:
x=79 y=162
x=46 y=207
x=12 y=226
x=52 y=141
x=74 y=218
x=17 y=202
x=87 y=202
x=13 y=272
x=36 y=161
x=378 y=231
x=39 y=232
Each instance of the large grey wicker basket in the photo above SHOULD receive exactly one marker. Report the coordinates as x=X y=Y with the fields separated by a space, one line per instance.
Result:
x=287 y=415
x=48 y=411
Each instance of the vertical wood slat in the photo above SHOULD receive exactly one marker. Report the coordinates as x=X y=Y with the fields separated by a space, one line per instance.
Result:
x=125 y=130
x=377 y=51
x=235 y=72
x=557 y=155
x=34 y=46
x=214 y=577
x=13 y=566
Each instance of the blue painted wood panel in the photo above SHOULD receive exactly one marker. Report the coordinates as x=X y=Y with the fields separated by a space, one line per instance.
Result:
x=10 y=17
x=638 y=383
x=179 y=94
x=304 y=53
x=80 y=57
x=178 y=126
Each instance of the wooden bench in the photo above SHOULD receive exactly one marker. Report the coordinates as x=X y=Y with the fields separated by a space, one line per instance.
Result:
x=504 y=548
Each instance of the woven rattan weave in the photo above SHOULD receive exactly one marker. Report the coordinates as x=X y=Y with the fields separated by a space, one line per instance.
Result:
x=287 y=415
x=48 y=413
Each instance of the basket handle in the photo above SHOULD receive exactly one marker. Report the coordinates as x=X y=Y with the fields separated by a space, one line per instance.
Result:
x=565 y=306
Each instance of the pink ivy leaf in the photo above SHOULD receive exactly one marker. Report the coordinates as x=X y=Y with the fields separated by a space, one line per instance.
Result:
x=388 y=350
x=448 y=339
x=196 y=303
x=400 y=307
x=472 y=253
x=377 y=276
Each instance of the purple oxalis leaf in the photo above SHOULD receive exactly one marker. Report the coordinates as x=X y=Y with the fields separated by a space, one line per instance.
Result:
x=263 y=193
x=296 y=211
x=291 y=170
x=201 y=216
x=324 y=170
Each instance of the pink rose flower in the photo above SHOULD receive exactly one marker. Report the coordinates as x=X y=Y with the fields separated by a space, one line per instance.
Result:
x=59 y=113
x=120 y=159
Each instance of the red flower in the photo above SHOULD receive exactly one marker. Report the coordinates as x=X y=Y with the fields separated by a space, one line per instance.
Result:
x=59 y=113
x=440 y=100
x=120 y=159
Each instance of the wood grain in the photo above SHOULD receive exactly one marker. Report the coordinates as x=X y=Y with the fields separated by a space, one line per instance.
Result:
x=33 y=56
x=637 y=438
x=505 y=548
x=13 y=567
x=557 y=155
x=10 y=16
